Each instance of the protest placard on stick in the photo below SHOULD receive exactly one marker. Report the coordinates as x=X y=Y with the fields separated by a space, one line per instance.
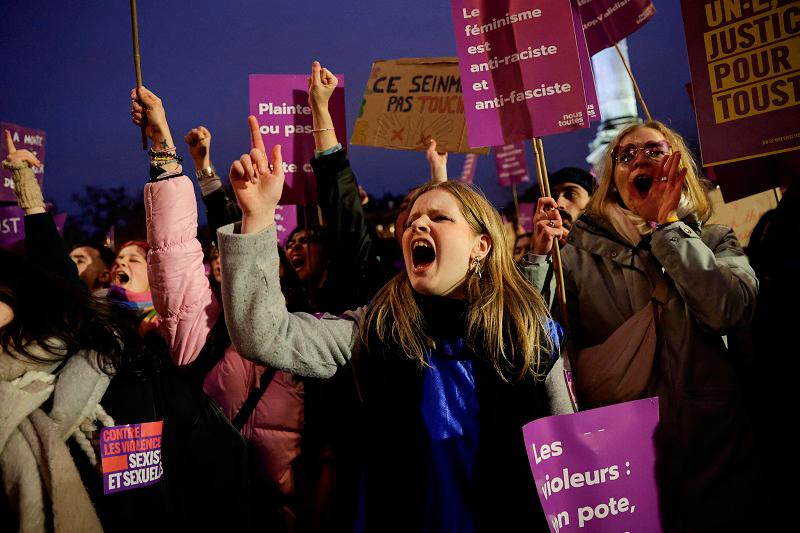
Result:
x=607 y=22
x=745 y=65
x=409 y=101
x=280 y=104
x=520 y=69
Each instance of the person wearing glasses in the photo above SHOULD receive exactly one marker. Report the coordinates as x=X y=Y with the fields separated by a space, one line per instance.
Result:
x=643 y=237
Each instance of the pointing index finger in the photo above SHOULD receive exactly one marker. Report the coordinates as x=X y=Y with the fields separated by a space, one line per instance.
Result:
x=255 y=135
x=10 y=143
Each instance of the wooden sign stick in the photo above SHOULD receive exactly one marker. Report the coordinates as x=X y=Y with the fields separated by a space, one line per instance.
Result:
x=136 y=64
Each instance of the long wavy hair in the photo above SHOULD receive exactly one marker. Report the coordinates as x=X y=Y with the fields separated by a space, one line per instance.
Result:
x=62 y=319
x=693 y=188
x=507 y=319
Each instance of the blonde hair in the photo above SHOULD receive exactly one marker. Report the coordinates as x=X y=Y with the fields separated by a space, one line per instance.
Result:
x=507 y=318
x=693 y=188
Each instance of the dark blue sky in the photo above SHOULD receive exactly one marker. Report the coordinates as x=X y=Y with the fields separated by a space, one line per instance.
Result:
x=67 y=69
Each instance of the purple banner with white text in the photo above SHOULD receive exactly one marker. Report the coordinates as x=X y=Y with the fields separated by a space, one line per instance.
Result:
x=511 y=164
x=12 y=227
x=520 y=67
x=280 y=104
x=285 y=221
x=595 y=470
x=607 y=22
x=24 y=139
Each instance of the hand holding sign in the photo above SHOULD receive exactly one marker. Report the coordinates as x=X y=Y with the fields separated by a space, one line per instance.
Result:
x=258 y=185
x=147 y=111
x=16 y=157
x=547 y=226
x=437 y=161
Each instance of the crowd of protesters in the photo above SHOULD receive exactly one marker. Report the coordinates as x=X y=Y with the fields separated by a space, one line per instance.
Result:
x=343 y=383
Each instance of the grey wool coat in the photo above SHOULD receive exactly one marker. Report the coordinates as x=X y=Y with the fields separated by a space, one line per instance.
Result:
x=704 y=442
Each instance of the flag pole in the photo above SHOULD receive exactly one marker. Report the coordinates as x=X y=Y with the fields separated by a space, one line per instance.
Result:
x=136 y=60
x=633 y=80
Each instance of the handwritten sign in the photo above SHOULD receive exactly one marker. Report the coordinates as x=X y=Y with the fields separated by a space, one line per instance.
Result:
x=745 y=63
x=521 y=69
x=280 y=104
x=408 y=101
x=595 y=470
x=24 y=138
x=131 y=456
x=742 y=215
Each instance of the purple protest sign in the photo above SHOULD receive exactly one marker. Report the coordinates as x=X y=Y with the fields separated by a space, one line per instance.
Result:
x=131 y=456
x=592 y=103
x=520 y=69
x=469 y=168
x=607 y=22
x=744 y=59
x=526 y=216
x=12 y=227
x=280 y=104
x=285 y=221
x=24 y=139
x=512 y=167
x=595 y=470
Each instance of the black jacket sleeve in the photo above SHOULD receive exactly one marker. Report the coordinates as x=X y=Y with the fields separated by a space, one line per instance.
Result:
x=221 y=210
x=46 y=249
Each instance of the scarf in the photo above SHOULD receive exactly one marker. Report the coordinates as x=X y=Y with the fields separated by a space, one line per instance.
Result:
x=34 y=458
x=631 y=226
x=141 y=302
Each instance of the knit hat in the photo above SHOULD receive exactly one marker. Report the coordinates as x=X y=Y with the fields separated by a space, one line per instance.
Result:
x=573 y=175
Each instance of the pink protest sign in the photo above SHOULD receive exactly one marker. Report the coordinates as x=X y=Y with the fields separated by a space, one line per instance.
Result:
x=520 y=69
x=511 y=165
x=607 y=22
x=595 y=470
x=285 y=221
x=592 y=104
x=280 y=104
x=131 y=456
x=12 y=227
x=526 y=216
x=745 y=65
x=468 y=171
x=24 y=139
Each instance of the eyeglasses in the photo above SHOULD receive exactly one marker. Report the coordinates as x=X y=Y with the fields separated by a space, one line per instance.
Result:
x=654 y=150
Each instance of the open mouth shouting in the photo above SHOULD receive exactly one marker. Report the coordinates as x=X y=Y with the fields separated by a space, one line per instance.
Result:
x=641 y=185
x=423 y=254
x=121 y=277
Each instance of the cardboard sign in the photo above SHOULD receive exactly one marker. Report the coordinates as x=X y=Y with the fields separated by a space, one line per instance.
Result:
x=469 y=169
x=521 y=69
x=511 y=164
x=607 y=22
x=280 y=104
x=24 y=139
x=12 y=227
x=742 y=215
x=745 y=65
x=408 y=101
x=131 y=456
x=595 y=470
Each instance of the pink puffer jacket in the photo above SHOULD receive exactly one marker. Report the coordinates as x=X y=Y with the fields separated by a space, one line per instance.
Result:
x=188 y=308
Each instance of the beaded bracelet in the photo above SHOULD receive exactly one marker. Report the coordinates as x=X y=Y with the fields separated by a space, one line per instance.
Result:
x=656 y=226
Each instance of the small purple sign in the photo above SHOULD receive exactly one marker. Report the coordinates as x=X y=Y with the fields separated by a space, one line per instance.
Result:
x=520 y=69
x=526 y=216
x=468 y=171
x=607 y=22
x=280 y=104
x=24 y=139
x=511 y=164
x=285 y=221
x=131 y=456
x=12 y=227
x=595 y=470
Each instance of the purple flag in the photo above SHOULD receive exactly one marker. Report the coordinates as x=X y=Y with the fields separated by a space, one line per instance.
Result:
x=280 y=104
x=595 y=470
x=520 y=69
x=607 y=22
x=511 y=164
x=470 y=165
x=24 y=139
x=12 y=227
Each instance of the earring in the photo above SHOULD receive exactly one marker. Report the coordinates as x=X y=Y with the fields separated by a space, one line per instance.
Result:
x=475 y=266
